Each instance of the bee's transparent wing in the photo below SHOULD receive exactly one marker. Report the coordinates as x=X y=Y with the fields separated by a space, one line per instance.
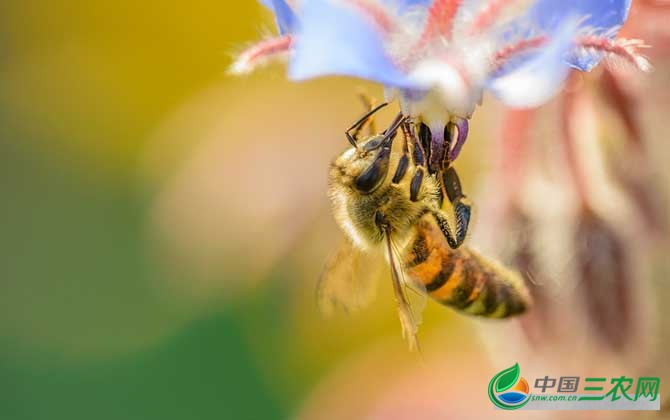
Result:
x=348 y=280
x=410 y=295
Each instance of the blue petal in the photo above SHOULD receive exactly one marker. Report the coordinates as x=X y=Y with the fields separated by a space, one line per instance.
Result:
x=583 y=60
x=535 y=79
x=548 y=15
x=284 y=15
x=333 y=39
x=407 y=3
x=601 y=16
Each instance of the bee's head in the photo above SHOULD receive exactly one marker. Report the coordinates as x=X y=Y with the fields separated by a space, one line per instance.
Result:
x=362 y=168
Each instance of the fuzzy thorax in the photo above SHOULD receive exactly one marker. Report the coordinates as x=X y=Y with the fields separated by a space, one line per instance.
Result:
x=365 y=217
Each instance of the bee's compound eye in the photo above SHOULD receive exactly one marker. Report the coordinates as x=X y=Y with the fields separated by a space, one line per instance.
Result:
x=374 y=174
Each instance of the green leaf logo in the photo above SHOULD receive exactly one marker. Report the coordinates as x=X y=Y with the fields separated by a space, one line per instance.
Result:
x=507 y=378
x=502 y=382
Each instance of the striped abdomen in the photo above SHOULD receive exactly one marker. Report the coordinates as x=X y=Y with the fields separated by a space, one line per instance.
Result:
x=461 y=278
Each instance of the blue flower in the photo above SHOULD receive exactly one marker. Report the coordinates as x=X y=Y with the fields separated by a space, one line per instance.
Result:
x=438 y=57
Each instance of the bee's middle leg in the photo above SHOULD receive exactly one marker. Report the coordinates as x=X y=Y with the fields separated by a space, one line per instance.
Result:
x=418 y=158
x=403 y=162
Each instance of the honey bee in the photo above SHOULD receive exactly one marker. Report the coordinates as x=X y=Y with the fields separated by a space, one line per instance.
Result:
x=387 y=201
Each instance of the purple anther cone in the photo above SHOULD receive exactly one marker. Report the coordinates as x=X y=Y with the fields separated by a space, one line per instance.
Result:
x=462 y=127
x=437 y=143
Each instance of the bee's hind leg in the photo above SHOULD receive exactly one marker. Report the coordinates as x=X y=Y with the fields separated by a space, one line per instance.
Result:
x=443 y=224
x=461 y=207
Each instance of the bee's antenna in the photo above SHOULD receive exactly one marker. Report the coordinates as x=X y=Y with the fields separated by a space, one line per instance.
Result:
x=386 y=141
x=359 y=123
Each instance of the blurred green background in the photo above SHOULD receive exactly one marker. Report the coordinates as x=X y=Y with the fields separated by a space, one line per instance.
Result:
x=100 y=109
x=163 y=225
x=85 y=332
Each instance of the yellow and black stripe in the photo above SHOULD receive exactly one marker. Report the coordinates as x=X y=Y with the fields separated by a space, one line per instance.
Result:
x=461 y=278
